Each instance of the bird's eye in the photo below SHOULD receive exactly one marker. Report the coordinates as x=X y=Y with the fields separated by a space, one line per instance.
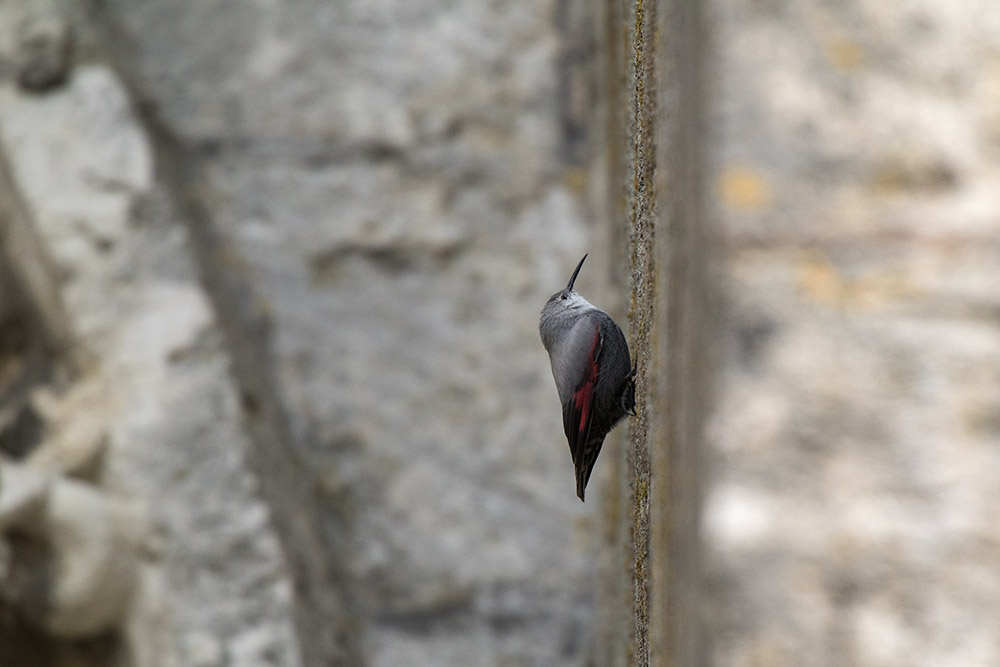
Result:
x=563 y=297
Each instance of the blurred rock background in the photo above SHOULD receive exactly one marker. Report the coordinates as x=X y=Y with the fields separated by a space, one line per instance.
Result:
x=270 y=290
x=852 y=518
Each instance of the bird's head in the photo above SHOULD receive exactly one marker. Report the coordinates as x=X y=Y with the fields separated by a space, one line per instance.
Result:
x=567 y=298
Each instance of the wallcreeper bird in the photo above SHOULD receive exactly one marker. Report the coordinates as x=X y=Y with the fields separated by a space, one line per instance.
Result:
x=592 y=370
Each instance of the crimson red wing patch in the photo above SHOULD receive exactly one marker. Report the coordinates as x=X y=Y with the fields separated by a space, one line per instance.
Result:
x=578 y=411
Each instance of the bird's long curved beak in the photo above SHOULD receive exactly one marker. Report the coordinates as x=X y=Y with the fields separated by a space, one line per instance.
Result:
x=572 y=279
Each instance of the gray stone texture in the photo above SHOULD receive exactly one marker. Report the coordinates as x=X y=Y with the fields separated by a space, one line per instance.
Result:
x=162 y=406
x=389 y=180
x=852 y=518
x=386 y=192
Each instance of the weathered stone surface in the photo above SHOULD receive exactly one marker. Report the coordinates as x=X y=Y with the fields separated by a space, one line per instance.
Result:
x=855 y=448
x=94 y=545
x=389 y=180
x=45 y=41
x=174 y=439
x=36 y=43
x=400 y=185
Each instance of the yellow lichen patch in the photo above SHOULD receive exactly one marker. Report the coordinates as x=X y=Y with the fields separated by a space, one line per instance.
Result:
x=821 y=281
x=902 y=173
x=744 y=189
x=844 y=54
x=576 y=180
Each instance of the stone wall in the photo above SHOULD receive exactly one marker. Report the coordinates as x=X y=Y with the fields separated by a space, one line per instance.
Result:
x=269 y=290
x=133 y=483
x=302 y=248
x=851 y=520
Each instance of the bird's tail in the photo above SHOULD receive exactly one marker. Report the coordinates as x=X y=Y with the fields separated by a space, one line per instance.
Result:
x=585 y=462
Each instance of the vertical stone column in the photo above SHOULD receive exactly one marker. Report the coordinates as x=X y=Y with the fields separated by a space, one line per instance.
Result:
x=655 y=114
